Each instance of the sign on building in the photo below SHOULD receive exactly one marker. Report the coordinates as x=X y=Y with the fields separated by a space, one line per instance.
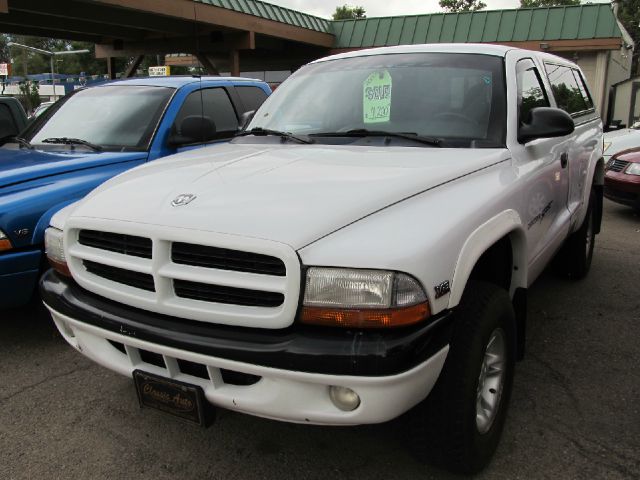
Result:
x=5 y=69
x=164 y=71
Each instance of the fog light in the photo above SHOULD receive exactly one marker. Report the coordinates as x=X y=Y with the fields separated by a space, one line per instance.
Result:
x=344 y=398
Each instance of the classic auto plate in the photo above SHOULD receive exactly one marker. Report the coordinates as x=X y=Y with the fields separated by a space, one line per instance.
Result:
x=171 y=396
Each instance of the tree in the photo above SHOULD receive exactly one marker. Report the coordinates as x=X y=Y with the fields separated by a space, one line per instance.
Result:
x=547 y=3
x=29 y=96
x=26 y=62
x=462 y=5
x=629 y=15
x=346 y=12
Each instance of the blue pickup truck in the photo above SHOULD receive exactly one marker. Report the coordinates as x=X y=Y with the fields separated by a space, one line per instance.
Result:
x=92 y=135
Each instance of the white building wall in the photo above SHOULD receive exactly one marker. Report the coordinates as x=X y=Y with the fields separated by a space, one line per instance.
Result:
x=622 y=103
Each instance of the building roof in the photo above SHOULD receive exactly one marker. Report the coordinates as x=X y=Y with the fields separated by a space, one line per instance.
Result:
x=516 y=25
x=273 y=12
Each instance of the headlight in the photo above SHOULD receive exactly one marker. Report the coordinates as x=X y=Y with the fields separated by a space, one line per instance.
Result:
x=54 y=249
x=5 y=243
x=606 y=145
x=633 y=169
x=362 y=298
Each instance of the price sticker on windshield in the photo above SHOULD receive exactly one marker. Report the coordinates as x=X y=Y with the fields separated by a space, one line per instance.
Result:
x=376 y=103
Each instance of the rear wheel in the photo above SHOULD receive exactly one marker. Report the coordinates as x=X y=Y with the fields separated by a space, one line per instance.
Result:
x=459 y=425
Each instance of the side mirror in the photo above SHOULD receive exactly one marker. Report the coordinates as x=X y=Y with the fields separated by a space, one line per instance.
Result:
x=193 y=129
x=545 y=122
x=246 y=118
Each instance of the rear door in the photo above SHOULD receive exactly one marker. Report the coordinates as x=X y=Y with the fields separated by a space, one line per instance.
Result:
x=251 y=96
x=570 y=93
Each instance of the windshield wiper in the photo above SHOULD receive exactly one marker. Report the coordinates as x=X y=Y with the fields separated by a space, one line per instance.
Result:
x=72 y=141
x=23 y=143
x=363 y=132
x=265 y=131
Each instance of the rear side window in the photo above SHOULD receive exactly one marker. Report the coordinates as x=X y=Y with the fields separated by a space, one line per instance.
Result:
x=214 y=104
x=531 y=93
x=7 y=124
x=570 y=96
x=252 y=97
x=582 y=85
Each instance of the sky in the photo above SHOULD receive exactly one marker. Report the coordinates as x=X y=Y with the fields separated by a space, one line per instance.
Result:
x=381 y=8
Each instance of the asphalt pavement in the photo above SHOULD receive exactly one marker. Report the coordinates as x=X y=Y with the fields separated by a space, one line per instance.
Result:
x=575 y=409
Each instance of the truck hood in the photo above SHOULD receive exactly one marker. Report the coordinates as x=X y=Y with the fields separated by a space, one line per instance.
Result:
x=18 y=165
x=292 y=194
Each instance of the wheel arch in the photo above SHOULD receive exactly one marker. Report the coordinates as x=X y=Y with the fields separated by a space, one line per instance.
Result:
x=496 y=252
x=504 y=229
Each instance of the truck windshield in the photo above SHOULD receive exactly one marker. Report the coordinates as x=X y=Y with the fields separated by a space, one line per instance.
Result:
x=118 y=117
x=457 y=99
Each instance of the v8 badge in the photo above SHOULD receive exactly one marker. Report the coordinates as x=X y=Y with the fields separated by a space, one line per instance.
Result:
x=442 y=289
x=21 y=232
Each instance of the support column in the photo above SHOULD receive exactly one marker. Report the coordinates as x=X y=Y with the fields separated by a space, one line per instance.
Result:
x=600 y=84
x=133 y=66
x=234 y=63
x=111 y=67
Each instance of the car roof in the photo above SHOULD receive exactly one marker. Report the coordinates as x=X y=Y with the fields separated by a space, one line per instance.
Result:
x=477 y=48
x=178 y=81
x=488 y=49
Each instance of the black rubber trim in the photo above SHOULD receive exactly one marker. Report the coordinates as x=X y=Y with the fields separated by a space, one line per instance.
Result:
x=599 y=189
x=299 y=347
x=226 y=259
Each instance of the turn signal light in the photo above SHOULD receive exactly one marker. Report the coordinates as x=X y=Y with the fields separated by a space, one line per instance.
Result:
x=5 y=243
x=365 y=318
x=60 y=267
x=54 y=249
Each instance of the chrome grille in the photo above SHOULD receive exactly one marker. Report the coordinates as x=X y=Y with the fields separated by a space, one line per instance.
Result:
x=617 y=165
x=190 y=274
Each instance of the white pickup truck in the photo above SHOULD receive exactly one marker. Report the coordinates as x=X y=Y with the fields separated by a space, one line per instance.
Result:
x=361 y=250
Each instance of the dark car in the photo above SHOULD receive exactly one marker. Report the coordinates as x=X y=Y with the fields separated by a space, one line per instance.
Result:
x=13 y=119
x=622 y=178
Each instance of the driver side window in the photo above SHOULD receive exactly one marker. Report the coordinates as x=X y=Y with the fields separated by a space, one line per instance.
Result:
x=531 y=92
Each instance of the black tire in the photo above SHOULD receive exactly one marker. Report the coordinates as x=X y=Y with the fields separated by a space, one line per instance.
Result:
x=575 y=256
x=444 y=429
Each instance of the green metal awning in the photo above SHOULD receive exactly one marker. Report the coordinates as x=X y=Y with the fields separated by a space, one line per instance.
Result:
x=517 y=25
x=276 y=13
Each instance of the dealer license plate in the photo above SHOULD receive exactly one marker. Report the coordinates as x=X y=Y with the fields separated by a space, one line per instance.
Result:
x=173 y=397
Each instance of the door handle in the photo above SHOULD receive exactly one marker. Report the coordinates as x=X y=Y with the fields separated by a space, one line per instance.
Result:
x=564 y=160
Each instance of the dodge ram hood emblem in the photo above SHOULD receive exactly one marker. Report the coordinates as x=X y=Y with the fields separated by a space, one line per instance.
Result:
x=183 y=199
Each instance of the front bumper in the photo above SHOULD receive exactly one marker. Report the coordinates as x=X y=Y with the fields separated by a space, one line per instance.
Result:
x=391 y=371
x=622 y=188
x=19 y=273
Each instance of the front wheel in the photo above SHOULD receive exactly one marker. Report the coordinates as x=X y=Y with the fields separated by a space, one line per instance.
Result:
x=459 y=425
